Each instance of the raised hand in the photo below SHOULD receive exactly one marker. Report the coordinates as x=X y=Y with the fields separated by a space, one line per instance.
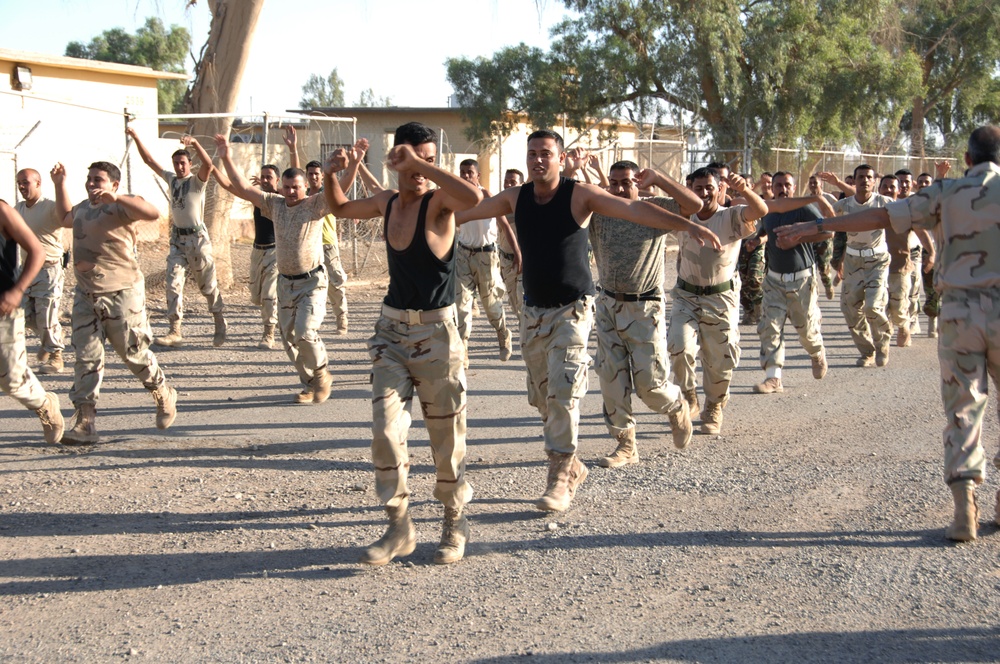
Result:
x=290 y=137
x=401 y=158
x=941 y=168
x=58 y=174
x=828 y=177
x=737 y=183
x=130 y=132
x=339 y=159
x=221 y=146
x=187 y=140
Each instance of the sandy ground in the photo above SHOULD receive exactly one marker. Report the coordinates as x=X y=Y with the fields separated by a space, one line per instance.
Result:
x=810 y=530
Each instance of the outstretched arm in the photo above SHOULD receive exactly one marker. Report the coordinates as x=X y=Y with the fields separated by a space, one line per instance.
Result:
x=147 y=157
x=457 y=194
x=595 y=163
x=337 y=201
x=494 y=206
x=756 y=207
x=12 y=226
x=643 y=213
x=63 y=204
x=240 y=186
x=831 y=178
x=866 y=220
x=687 y=200
x=206 y=162
x=292 y=141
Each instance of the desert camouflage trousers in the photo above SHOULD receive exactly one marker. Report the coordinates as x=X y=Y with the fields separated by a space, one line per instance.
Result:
x=863 y=297
x=823 y=253
x=41 y=307
x=337 y=292
x=426 y=358
x=16 y=378
x=301 y=310
x=705 y=326
x=632 y=357
x=795 y=301
x=120 y=319
x=752 y=265
x=264 y=283
x=191 y=252
x=969 y=350
x=511 y=282
x=900 y=292
x=932 y=301
x=554 y=348
x=478 y=272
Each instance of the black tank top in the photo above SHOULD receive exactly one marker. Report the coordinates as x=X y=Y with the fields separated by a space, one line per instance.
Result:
x=417 y=278
x=263 y=228
x=8 y=264
x=556 y=269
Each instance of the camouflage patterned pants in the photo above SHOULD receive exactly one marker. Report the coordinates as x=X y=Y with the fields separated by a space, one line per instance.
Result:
x=797 y=302
x=863 y=297
x=16 y=379
x=478 y=272
x=191 y=252
x=705 y=326
x=554 y=348
x=41 y=307
x=264 y=283
x=823 y=252
x=969 y=350
x=632 y=357
x=120 y=319
x=916 y=288
x=932 y=301
x=511 y=282
x=338 y=280
x=752 y=265
x=900 y=286
x=301 y=310
x=427 y=358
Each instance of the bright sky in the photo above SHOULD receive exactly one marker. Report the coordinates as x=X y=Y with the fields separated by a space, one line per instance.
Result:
x=395 y=47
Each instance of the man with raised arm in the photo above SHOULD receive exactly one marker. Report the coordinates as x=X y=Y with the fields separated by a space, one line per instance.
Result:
x=302 y=282
x=416 y=345
x=190 y=245
x=510 y=271
x=962 y=213
x=552 y=215
x=16 y=378
x=42 y=299
x=110 y=300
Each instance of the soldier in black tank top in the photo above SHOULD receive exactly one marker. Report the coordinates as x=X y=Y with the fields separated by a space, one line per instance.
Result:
x=417 y=278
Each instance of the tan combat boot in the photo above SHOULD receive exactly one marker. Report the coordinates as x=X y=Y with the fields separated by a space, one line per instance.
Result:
x=454 y=535
x=769 y=386
x=166 y=405
x=342 y=324
x=932 y=327
x=305 y=396
x=882 y=357
x=51 y=418
x=503 y=338
x=53 y=363
x=680 y=424
x=963 y=526
x=400 y=539
x=267 y=338
x=84 y=431
x=566 y=473
x=173 y=338
x=322 y=383
x=221 y=326
x=625 y=453
x=865 y=361
x=42 y=356
x=711 y=417
x=829 y=290
x=819 y=365
x=903 y=337
x=691 y=396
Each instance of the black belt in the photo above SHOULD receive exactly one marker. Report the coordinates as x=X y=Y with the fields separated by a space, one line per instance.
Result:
x=476 y=250
x=705 y=290
x=649 y=296
x=503 y=253
x=188 y=231
x=304 y=275
x=263 y=246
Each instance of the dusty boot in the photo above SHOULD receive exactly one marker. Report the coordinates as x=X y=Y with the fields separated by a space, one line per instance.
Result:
x=882 y=357
x=829 y=290
x=625 y=453
x=711 y=417
x=400 y=539
x=932 y=327
x=342 y=324
x=454 y=535
x=305 y=396
x=43 y=356
x=51 y=418
x=769 y=386
x=220 y=329
x=84 y=431
x=680 y=424
x=903 y=337
x=166 y=405
x=173 y=338
x=963 y=526
x=267 y=338
x=915 y=326
x=322 y=383
x=566 y=472
x=53 y=364
x=819 y=365
x=694 y=410
x=503 y=338
x=865 y=361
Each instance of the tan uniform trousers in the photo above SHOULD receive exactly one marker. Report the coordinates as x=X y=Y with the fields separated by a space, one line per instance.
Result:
x=191 y=252
x=426 y=358
x=478 y=272
x=120 y=319
x=863 y=297
x=511 y=282
x=795 y=301
x=900 y=304
x=705 y=325
x=554 y=348
x=969 y=351
x=41 y=305
x=632 y=357
x=301 y=309
x=264 y=283
x=337 y=292
x=16 y=379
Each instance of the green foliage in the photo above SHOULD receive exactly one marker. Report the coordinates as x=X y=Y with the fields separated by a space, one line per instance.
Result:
x=319 y=92
x=368 y=98
x=151 y=46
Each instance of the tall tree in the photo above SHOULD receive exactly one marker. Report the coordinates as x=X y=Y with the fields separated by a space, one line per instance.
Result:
x=368 y=98
x=151 y=46
x=321 y=92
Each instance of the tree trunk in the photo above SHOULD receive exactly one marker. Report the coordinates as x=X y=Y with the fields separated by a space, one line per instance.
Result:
x=216 y=84
x=917 y=130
